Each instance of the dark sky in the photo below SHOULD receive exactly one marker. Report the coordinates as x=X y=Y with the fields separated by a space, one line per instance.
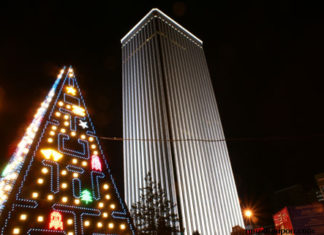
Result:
x=265 y=60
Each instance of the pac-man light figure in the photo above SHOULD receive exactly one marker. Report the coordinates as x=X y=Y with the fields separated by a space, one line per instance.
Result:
x=95 y=163
x=56 y=221
x=71 y=90
x=78 y=110
x=51 y=154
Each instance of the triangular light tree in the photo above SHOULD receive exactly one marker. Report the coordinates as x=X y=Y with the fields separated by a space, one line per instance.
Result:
x=58 y=180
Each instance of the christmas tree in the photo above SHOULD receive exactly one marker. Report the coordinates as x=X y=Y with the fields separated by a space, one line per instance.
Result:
x=58 y=180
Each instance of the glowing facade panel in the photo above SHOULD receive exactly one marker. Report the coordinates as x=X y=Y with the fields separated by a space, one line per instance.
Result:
x=168 y=95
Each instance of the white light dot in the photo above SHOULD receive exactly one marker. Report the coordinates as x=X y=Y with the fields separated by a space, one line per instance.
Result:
x=35 y=195
x=40 y=181
x=40 y=219
x=23 y=217
x=16 y=231
x=86 y=223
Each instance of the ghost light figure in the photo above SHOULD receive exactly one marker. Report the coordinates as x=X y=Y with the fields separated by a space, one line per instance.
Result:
x=56 y=221
x=95 y=163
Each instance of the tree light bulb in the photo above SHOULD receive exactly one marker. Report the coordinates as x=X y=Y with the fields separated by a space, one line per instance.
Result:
x=57 y=114
x=23 y=217
x=83 y=137
x=70 y=221
x=64 y=185
x=105 y=214
x=16 y=231
x=122 y=226
x=74 y=161
x=84 y=163
x=110 y=225
x=40 y=181
x=99 y=225
x=90 y=138
x=77 y=201
x=66 y=123
x=106 y=186
x=63 y=130
x=101 y=205
x=60 y=103
x=75 y=175
x=50 y=197
x=66 y=116
x=40 y=219
x=112 y=206
x=63 y=172
x=54 y=128
x=64 y=199
x=87 y=223
x=50 y=140
x=73 y=133
x=34 y=195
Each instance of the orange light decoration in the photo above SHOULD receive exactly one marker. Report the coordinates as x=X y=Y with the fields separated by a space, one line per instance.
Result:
x=78 y=110
x=56 y=221
x=71 y=90
x=95 y=163
x=50 y=153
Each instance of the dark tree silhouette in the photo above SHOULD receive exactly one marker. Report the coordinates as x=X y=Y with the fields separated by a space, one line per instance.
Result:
x=154 y=212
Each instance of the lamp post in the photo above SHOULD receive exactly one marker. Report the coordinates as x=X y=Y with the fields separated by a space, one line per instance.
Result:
x=248 y=214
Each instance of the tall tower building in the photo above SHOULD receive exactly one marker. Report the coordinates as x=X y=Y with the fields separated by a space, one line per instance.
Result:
x=172 y=126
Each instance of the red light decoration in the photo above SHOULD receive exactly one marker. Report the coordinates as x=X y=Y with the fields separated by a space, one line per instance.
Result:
x=56 y=221
x=95 y=163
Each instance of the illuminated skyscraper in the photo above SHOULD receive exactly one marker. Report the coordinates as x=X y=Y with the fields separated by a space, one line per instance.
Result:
x=172 y=125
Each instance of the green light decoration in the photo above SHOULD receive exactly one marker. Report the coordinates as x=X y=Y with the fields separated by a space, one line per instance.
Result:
x=5 y=171
x=86 y=196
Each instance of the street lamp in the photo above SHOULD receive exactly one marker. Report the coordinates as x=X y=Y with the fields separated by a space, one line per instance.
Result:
x=248 y=214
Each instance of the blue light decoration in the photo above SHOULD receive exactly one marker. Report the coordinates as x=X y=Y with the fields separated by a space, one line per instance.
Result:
x=44 y=187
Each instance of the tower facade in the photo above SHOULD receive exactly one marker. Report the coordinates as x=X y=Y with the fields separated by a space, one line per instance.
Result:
x=172 y=127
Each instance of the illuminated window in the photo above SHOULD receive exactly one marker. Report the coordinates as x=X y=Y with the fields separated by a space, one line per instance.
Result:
x=70 y=221
x=40 y=181
x=74 y=161
x=16 y=231
x=106 y=186
x=87 y=223
x=101 y=205
x=54 y=128
x=50 y=197
x=112 y=206
x=99 y=225
x=110 y=225
x=64 y=185
x=34 y=195
x=40 y=219
x=105 y=214
x=122 y=226
x=63 y=172
x=64 y=199
x=84 y=163
x=23 y=217
x=50 y=140
x=107 y=196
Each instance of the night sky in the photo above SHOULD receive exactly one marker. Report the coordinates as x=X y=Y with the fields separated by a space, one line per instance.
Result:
x=265 y=61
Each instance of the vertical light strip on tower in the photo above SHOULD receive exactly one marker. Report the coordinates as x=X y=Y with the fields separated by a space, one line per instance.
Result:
x=168 y=95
